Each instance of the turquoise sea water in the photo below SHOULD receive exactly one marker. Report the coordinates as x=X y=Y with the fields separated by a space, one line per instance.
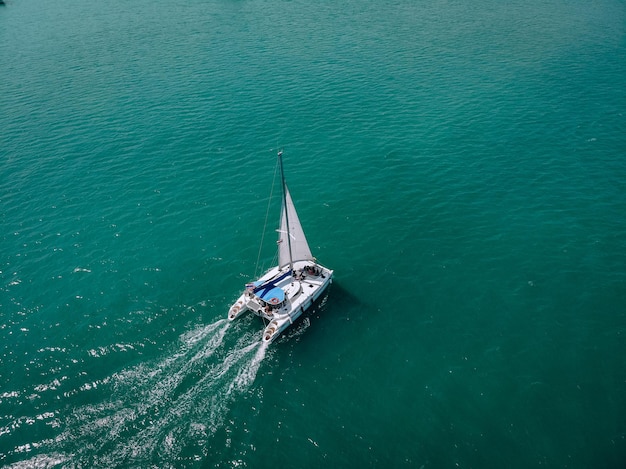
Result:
x=460 y=165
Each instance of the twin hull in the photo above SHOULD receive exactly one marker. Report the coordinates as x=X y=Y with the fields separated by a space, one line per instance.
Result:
x=305 y=285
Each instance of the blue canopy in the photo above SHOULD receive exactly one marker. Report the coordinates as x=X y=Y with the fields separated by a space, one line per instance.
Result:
x=269 y=292
x=274 y=296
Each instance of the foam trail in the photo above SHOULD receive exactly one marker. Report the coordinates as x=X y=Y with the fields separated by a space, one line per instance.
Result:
x=247 y=374
x=157 y=410
x=206 y=404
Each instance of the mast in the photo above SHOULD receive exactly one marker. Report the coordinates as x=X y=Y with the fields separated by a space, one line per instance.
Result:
x=283 y=185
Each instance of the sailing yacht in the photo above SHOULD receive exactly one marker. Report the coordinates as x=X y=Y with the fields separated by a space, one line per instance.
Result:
x=285 y=291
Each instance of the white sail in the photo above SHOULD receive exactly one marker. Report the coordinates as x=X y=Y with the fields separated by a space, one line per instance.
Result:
x=299 y=247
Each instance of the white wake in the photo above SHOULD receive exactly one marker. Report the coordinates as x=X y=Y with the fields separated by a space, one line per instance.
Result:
x=159 y=410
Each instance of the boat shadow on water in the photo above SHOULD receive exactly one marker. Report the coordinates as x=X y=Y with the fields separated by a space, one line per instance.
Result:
x=329 y=318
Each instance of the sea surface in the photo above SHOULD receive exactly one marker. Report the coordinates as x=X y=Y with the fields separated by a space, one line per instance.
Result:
x=460 y=165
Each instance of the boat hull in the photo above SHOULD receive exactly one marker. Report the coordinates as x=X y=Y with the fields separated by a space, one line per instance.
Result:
x=281 y=322
x=238 y=308
x=301 y=288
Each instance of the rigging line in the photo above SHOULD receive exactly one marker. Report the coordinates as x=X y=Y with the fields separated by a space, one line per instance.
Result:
x=269 y=203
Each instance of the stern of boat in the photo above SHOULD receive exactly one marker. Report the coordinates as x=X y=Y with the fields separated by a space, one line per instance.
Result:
x=274 y=329
x=238 y=308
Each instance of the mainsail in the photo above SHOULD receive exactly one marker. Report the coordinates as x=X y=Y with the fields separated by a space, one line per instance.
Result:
x=299 y=247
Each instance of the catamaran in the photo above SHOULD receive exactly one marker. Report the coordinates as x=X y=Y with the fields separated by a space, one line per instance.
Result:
x=285 y=291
